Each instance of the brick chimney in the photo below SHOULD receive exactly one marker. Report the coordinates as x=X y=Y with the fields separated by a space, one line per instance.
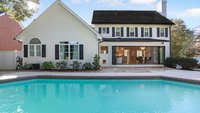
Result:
x=162 y=7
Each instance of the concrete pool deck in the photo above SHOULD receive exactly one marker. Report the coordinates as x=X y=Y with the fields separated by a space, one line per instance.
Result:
x=108 y=73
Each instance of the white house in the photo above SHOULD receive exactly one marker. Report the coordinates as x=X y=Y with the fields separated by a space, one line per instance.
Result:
x=119 y=37
x=133 y=37
x=59 y=34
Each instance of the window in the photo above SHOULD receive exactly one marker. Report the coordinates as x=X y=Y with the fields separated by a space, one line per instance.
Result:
x=32 y=50
x=69 y=51
x=74 y=52
x=118 y=32
x=162 y=32
x=64 y=52
x=104 y=61
x=104 y=49
x=132 y=33
x=35 y=48
x=104 y=30
x=146 y=32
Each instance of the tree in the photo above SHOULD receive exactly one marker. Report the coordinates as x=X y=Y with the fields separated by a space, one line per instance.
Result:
x=181 y=38
x=194 y=48
x=20 y=10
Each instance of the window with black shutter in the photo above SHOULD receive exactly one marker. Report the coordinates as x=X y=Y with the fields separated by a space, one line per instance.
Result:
x=127 y=31
x=108 y=30
x=158 y=32
x=43 y=50
x=166 y=32
x=136 y=32
x=25 y=50
x=142 y=32
x=57 y=52
x=113 y=31
x=99 y=30
x=81 y=52
x=150 y=31
x=122 y=32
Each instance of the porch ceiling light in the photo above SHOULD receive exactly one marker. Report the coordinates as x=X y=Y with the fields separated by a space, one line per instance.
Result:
x=142 y=48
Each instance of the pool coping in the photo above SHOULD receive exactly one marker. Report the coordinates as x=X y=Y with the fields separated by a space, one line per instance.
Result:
x=135 y=77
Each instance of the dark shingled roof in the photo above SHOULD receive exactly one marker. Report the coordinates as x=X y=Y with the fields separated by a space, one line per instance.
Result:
x=129 y=17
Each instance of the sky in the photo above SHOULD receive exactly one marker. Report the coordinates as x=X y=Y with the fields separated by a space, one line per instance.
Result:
x=188 y=10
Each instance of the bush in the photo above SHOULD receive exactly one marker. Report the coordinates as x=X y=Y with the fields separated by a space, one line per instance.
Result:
x=76 y=65
x=96 y=63
x=61 y=65
x=185 y=63
x=172 y=62
x=87 y=66
x=19 y=63
x=27 y=67
x=188 y=63
x=47 y=65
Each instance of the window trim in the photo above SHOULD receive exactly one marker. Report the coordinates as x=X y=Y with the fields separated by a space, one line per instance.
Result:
x=102 y=52
x=118 y=31
x=148 y=33
x=35 y=50
x=133 y=30
x=162 y=28
x=69 y=52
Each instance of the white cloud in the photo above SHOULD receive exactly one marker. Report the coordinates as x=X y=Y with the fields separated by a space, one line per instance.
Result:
x=112 y=2
x=194 y=12
x=142 y=1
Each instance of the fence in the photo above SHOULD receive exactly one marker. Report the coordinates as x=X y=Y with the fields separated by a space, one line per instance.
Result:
x=8 y=59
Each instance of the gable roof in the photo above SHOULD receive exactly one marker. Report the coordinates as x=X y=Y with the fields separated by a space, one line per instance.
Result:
x=68 y=9
x=129 y=17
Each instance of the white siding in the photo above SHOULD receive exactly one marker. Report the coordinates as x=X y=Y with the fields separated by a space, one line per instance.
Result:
x=139 y=26
x=55 y=25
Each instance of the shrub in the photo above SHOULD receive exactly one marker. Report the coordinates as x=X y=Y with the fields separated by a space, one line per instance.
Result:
x=47 y=65
x=87 y=66
x=19 y=63
x=27 y=67
x=96 y=64
x=172 y=62
x=61 y=65
x=188 y=63
x=185 y=63
x=76 y=65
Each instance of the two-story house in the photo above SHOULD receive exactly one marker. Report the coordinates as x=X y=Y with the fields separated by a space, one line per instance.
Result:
x=133 y=37
x=119 y=37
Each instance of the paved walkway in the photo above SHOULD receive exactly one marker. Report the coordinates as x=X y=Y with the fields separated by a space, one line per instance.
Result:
x=110 y=73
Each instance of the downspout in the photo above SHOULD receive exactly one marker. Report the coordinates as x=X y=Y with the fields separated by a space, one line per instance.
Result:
x=170 y=54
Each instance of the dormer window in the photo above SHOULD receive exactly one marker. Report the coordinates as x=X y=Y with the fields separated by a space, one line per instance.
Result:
x=146 y=32
x=104 y=30
x=162 y=32
x=132 y=32
x=118 y=32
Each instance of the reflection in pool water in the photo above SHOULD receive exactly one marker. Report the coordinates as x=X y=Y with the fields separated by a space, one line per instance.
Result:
x=99 y=96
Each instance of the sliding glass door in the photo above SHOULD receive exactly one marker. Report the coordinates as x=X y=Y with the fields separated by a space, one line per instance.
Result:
x=137 y=55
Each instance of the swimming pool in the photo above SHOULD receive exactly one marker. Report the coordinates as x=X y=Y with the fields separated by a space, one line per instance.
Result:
x=99 y=96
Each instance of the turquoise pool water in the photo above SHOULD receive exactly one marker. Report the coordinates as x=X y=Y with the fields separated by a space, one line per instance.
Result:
x=99 y=96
